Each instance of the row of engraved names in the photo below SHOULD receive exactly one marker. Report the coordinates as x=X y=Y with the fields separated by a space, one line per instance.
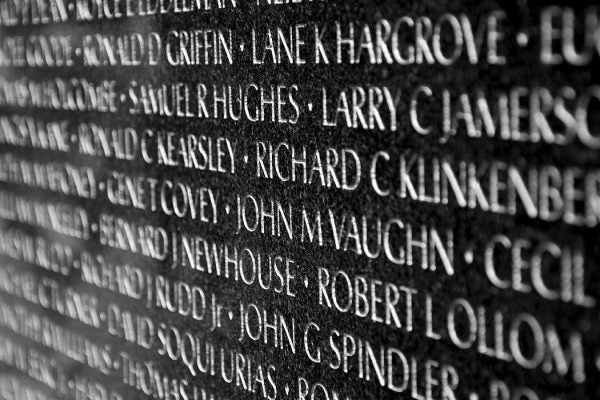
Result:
x=521 y=114
x=445 y=40
x=42 y=12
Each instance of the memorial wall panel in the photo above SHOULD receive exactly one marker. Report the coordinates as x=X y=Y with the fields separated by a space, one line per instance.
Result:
x=299 y=200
